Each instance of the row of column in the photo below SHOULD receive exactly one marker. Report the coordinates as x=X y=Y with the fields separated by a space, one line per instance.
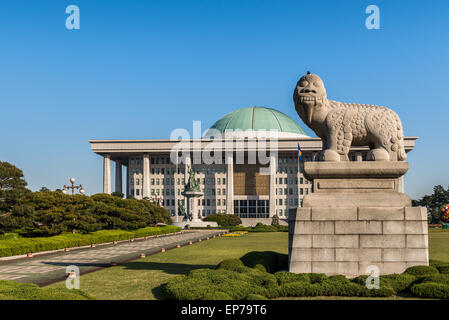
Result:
x=118 y=175
x=146 y=192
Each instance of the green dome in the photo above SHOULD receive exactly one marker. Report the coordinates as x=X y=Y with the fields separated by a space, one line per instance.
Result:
x=258 y=119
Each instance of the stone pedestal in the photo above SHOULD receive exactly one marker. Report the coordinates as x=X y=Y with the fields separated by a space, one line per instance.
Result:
x=356 y=217
x=192 y=219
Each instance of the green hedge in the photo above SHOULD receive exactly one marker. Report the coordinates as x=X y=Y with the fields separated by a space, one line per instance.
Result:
x=10 y=290
x=68 y=240
x=247 y=278
x=7 y=236
x=260 y=228
x=224 y=220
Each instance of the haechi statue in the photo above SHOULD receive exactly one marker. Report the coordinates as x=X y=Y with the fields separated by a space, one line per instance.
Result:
x=341 y=125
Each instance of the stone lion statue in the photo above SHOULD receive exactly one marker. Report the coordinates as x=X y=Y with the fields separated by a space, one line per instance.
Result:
x=341 y=125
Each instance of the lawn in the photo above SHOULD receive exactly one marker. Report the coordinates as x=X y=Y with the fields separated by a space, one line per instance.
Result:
x=141 y=279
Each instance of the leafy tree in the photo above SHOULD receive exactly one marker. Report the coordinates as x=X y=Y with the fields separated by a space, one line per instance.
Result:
x=434 y=202
x=44 y=189
x=12 y=186
x=117 y=194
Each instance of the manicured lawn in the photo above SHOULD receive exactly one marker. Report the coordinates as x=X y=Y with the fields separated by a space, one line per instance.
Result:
x=439 y=245
x=141 y=279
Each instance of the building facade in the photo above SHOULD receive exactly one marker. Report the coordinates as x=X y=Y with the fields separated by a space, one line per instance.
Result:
x=228 y=165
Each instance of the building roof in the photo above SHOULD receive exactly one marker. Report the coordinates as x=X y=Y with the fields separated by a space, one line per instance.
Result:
x=256 y=119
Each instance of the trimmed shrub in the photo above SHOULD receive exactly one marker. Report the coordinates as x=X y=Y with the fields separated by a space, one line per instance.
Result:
x=225 y=220
x=317 y=277
x=443 y=267
x=339 y=286
x=436 y=277
x=232 y=265
x=267 y=281
x=268 y=261
x=260 y=228
x=398 y=282
x=284 y=277
x=19 y=246
x=218 y=295
x=8 y=236
x=299 y=289
x=10 y=290
x=253 y=296
x=431 y=290
x=203 y=283
x=421 y=270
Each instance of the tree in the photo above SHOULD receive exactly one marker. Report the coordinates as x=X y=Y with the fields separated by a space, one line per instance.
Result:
x=44 y=189
x=12 y=186
x=434 y=202
x=117 y=194
x=11 y=177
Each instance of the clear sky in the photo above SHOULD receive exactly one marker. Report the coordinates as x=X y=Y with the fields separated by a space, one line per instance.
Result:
x=139 y=69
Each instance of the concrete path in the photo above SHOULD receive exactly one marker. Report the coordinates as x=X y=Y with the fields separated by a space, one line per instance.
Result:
x=49 y=268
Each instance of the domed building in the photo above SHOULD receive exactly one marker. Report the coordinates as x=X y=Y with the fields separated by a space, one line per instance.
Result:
x=245 y=164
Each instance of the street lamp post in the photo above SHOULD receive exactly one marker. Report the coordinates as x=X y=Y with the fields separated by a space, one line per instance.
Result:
x=73 y=187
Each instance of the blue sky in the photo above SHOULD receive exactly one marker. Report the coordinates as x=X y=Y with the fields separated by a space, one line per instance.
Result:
x=139 y=69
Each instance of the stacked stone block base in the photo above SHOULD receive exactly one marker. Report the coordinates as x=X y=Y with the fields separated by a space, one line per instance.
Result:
x=339 y=233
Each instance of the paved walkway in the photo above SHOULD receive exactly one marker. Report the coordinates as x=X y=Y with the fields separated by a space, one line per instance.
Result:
x=45 y=269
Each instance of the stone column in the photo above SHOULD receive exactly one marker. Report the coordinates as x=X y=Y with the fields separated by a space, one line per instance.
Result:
x=107 y=174
x=128 y=187
x=230 y=183
x=401 y=184
x=175 y=176
x=146 y=176
x=118 y=176
x=273 y=165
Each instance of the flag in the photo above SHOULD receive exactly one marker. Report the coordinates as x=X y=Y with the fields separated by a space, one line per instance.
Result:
x=299 y=152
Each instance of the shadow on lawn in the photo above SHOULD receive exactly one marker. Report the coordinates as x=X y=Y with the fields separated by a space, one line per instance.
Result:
x=170 y=268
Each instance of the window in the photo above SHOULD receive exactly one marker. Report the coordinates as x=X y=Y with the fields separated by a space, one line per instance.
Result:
x=137 y=192
x=223 y=192
x=224 y=181
x=157 y=181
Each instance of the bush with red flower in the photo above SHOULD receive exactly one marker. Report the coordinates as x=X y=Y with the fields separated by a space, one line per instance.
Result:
x=445 y=213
